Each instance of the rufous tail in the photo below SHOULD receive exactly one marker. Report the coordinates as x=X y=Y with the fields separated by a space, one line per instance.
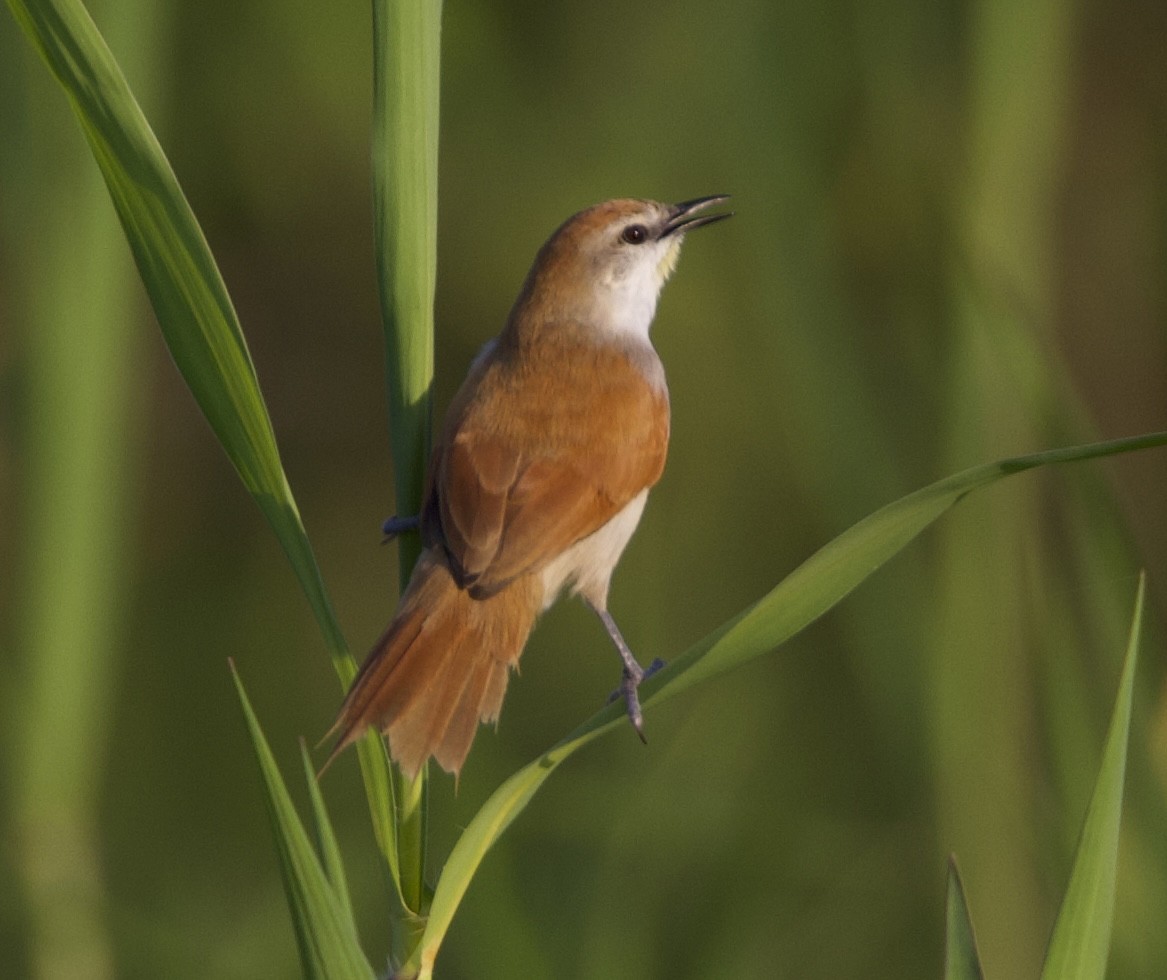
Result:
x=439 y=668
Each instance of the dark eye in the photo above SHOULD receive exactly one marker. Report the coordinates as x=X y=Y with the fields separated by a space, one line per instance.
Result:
x=634 y=234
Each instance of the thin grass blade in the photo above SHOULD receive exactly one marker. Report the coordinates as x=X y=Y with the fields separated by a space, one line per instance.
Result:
x=326 y=845
x=1080 y=943
x=325 y=933
x=961 y=959
x=806 y=594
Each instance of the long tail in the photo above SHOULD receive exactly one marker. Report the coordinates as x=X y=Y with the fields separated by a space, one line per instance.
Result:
x=439 y=668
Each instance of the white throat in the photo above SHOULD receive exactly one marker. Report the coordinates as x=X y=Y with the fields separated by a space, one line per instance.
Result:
x=626 y=293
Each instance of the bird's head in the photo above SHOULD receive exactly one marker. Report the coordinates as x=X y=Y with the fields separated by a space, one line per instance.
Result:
x=605 y=267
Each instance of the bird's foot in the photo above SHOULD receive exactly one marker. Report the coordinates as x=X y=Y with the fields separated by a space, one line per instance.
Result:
x=395 y=526
x=634 y=675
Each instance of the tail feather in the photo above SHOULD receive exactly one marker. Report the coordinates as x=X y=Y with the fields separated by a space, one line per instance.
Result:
x=439 y=669
x=418 y=732
x=460 y=725
x=496 y=687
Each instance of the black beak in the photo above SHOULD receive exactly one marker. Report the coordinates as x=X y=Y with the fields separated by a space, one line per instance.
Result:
x=681 y=219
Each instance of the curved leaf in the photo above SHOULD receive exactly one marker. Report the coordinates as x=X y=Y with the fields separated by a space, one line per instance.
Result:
x=801 y=598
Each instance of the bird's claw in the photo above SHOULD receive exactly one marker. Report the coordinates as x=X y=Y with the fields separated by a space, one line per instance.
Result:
x=653 y=667
x=395 y=526
x=629 y=690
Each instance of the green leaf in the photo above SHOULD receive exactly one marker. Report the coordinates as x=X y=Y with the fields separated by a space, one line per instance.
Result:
x=326 y=844
x=809 y=591
x=1081 y=938
x=324 y=927
x=194 y=312
x=961 y=960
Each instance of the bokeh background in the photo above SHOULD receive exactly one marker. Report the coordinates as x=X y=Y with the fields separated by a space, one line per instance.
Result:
x=950 y=246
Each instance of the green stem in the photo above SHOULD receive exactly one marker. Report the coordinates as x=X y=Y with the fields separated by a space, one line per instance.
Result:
x=413 y=797
x=410 y=923
x=406 y=76
x=406 y=38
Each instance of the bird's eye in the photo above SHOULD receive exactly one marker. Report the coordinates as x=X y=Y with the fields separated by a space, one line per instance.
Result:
x=634 y=234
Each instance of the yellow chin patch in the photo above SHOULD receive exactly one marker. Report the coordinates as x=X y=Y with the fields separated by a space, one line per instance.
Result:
x=668 y=261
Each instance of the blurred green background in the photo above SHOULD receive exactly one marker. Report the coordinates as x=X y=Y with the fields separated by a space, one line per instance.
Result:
x=950 y=246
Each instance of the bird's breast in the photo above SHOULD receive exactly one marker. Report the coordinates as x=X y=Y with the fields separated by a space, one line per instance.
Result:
x=586 y=567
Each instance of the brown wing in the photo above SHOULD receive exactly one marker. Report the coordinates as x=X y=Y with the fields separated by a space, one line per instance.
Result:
x=530 y=466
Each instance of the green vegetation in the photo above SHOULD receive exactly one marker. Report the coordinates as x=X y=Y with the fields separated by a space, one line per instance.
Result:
x=899 y=299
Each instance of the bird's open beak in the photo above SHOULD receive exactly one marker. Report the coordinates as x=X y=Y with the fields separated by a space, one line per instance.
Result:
x=682 y=217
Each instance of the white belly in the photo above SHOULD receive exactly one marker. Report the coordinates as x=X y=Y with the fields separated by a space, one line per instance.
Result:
x=586 y=567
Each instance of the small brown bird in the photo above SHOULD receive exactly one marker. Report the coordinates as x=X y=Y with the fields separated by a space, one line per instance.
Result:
x=538 y=481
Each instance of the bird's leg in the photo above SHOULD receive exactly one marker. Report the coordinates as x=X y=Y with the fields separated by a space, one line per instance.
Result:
x=395 y=525
x=633 y=672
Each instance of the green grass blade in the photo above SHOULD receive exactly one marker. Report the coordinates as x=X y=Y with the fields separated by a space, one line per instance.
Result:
x=1081 y=938
x=193 y=309
x=326 y=844
x=802 y=597
x=324 y=928
x=961 y=959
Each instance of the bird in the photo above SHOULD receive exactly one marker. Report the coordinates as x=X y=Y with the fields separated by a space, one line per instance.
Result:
x=536 y=485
